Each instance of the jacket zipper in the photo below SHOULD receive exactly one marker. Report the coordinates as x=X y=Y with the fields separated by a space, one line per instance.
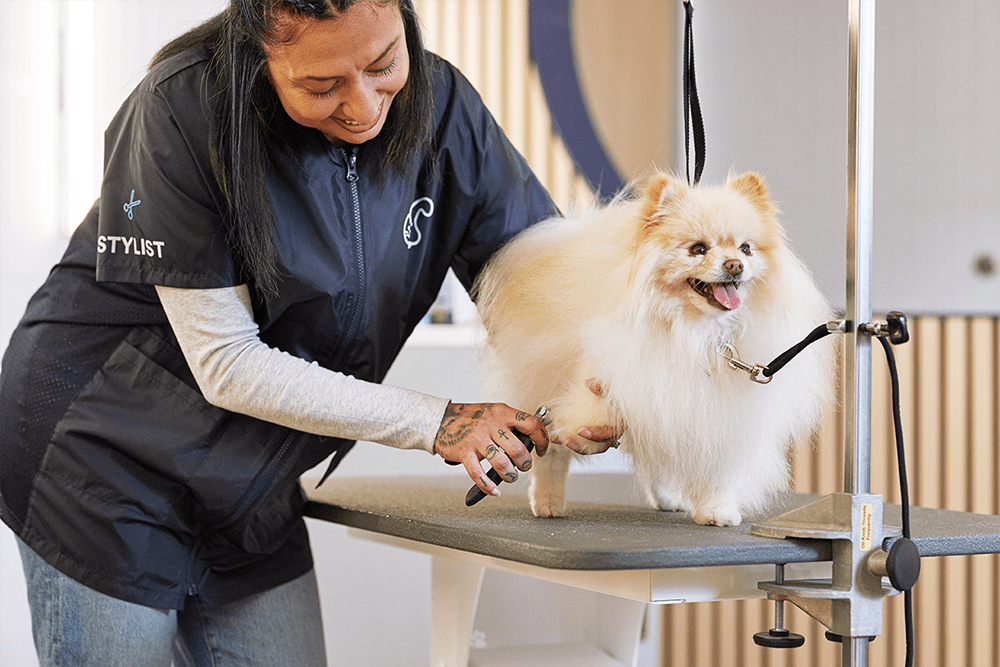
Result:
x=263 y=479
x=258 y=485
x=351 y=176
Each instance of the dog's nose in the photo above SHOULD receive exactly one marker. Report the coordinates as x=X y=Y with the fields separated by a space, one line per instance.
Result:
x=733 y=267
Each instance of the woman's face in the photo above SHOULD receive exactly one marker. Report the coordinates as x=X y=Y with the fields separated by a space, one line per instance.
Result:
x=340 y=75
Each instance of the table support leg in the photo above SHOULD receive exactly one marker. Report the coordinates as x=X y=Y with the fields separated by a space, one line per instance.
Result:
x=454 y=595
x=619 y=628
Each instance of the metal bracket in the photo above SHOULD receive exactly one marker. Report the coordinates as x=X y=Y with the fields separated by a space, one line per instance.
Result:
x=850 y=603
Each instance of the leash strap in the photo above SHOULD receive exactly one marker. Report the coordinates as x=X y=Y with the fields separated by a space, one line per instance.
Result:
x=786 y=356
x=692 y=107
x=762 y=374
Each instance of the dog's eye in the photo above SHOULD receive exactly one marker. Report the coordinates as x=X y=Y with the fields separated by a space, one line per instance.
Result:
x=745 y=249
x=698 y=249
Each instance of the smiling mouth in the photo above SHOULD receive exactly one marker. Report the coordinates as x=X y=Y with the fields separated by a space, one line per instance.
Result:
x=720 y=295
x=355 y=126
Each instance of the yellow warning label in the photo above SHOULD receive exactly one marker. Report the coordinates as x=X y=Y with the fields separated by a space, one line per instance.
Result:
x=866 y=527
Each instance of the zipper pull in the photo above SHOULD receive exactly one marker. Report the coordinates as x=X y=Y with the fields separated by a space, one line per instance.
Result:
x=352 y=165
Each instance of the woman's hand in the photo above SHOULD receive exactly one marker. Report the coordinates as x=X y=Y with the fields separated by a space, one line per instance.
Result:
x=471 y=432
x=594 y=439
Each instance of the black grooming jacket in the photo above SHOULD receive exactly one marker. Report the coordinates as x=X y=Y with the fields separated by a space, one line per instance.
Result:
x=113 y=466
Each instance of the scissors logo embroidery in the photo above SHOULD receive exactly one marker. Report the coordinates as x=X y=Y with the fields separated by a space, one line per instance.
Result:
x=411 y=233
x=132 y=203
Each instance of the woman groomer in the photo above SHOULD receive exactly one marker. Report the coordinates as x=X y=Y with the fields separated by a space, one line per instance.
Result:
x=282 y=197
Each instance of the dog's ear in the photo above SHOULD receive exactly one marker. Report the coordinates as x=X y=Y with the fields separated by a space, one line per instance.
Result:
x=752 y=186
x=661 y=192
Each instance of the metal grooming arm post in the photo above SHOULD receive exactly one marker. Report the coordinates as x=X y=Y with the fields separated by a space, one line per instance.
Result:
x=860 y=178
x=850 y=603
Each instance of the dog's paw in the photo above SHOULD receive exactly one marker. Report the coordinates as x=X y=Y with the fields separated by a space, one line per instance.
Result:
x=666 y=501
x=548 y=505
x=669 y=506
x=722 y=515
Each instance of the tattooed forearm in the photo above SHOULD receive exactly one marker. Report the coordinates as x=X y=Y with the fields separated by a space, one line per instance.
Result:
x=455 y=426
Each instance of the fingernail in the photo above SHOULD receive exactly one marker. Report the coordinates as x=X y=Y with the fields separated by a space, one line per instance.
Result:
x=585 y=433
x=527 y=466
x=495 y=492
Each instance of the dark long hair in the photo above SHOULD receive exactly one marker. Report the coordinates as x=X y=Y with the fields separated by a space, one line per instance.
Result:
x=252 y=126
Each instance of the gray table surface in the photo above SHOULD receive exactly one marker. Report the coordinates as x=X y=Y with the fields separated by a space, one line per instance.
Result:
x=608 y=525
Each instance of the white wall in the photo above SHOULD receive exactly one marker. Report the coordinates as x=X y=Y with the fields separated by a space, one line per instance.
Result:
x=772 y=78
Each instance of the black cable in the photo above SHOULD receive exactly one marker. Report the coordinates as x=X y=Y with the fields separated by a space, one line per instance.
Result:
x=908 y=617
x=692 y=107
x=904 y=489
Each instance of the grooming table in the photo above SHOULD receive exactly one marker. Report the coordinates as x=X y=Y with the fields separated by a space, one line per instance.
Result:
x=609 y=543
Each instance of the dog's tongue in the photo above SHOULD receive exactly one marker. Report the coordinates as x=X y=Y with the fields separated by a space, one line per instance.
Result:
x=725 y=293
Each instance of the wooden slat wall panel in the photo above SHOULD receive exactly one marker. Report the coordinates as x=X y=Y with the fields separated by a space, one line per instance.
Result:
x=928 y=481
x=950 y=386
x=955 y=397
x=984 y=495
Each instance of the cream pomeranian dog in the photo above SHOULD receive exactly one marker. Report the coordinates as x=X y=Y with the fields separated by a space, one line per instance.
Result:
x=647 y=296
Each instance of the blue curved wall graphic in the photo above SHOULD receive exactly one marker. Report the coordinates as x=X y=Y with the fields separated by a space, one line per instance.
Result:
x=551 y=43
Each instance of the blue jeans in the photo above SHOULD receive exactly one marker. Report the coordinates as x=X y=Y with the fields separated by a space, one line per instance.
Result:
x=76 y=626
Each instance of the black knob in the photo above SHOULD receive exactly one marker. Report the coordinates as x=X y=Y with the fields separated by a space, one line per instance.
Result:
x=898 y=333
x=903 y=564
x=774 y=638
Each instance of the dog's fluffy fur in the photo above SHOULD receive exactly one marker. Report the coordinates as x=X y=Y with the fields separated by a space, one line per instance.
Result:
x=642 y=295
